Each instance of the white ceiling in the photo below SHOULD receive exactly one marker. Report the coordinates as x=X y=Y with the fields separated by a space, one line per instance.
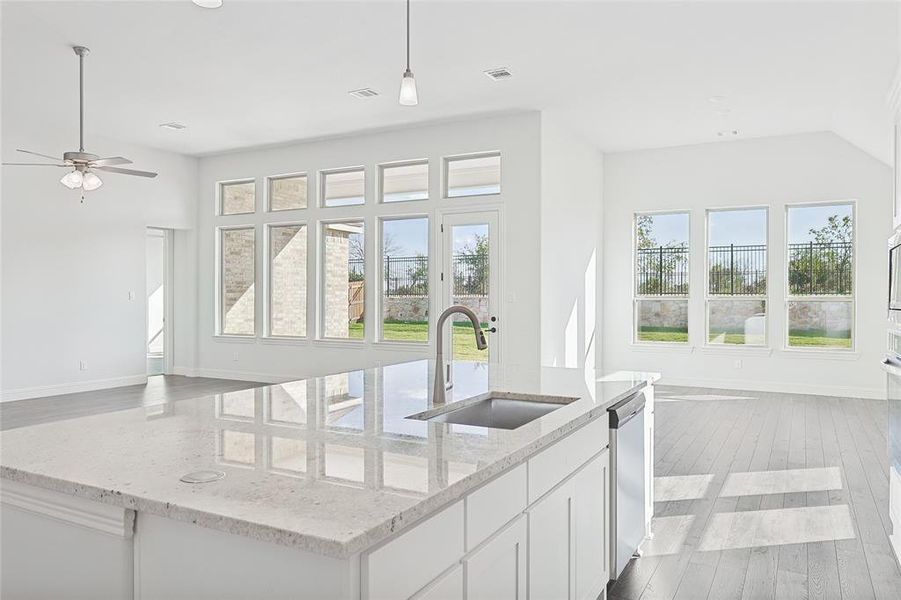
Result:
x=629 y=75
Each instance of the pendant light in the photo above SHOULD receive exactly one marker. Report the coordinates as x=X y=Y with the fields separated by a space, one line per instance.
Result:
x=408 y=95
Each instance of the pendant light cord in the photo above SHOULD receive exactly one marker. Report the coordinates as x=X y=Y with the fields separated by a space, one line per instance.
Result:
x=408 y=35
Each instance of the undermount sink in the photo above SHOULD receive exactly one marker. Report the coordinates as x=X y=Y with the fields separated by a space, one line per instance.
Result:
x=496 y=410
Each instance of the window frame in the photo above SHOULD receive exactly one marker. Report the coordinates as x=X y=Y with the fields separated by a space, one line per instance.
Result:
x=321 y=305
x=380 y=278
x=380 y=183
x=788 y=297
x=636 y=297
x=268 y=191
x=267 y=281
x=708 y=296
x=220 y=280
x=220 y=197
x=323 y=176
x=445 y=173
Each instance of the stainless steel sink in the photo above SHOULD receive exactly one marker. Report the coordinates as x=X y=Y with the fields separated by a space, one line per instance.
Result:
x=496 y=410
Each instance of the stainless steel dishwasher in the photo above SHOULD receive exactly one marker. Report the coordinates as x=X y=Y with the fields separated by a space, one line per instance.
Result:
x=627 y=480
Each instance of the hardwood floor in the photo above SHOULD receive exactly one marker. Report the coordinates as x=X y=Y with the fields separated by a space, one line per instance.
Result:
x=159 y=388
x=819 y=531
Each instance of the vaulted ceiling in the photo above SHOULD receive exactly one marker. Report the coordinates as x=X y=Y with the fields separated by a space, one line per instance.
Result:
x=628 y=75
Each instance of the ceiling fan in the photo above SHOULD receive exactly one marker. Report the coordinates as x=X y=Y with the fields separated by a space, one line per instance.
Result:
x=83 y=164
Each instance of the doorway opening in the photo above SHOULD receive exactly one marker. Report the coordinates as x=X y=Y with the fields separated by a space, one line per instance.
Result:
x=158 y=301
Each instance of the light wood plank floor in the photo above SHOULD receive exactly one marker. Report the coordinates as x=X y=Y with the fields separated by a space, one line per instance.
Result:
x=159 y=388
x=818 y=531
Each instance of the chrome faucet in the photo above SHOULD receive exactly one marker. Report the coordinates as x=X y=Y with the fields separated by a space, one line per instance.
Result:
x=438 y=395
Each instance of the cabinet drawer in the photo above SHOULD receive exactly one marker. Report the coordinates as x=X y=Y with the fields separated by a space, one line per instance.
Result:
x=493 y=505
x=551 y=466
x=407 y=563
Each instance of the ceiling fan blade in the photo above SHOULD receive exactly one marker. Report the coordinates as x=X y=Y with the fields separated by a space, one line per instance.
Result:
x=38 y=154
x=113 y=160
x=35 y=165
x=127 y=171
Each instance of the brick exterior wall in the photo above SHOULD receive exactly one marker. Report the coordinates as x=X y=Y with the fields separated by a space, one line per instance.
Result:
x=335 y=275
x=238 y=281
x=288 y=280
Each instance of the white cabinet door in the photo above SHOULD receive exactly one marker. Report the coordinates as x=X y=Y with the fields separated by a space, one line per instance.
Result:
x=447 y=587
x=591 y=527
x=550 y=545
x=498 y=569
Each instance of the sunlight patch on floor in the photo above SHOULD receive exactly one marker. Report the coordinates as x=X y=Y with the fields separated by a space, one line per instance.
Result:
x=776 y=527
x=782 y=482
x=669 y=535
x=681 y=487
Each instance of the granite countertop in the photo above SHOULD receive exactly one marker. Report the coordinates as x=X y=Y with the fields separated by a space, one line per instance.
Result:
x=328 y=465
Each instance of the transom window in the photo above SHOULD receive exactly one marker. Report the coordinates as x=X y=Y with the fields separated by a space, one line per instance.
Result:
x=343 y=187
x=287 y=192
x=473 y=175
x=237 y=197
x=404 y=181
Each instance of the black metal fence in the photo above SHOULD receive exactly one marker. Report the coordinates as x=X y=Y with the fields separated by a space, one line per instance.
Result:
x=820 y=269
x=815 y=269
x=662 y=271
x=409 y=275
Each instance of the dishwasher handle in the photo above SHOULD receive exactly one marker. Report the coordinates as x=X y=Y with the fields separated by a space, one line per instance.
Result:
x=622 y=412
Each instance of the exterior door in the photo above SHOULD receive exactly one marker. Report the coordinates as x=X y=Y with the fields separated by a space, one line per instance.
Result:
x=470 y=273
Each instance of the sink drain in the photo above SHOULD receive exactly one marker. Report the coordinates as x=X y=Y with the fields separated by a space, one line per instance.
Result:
x=202 y=476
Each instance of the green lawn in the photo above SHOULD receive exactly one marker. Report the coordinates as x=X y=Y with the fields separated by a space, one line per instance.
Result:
x=418 y=331
x=797 y=338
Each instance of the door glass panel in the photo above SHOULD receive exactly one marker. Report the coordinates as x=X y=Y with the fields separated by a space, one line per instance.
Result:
x=470 y=272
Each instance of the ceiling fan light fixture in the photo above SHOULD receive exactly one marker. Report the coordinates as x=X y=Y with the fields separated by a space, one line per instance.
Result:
x=408 y=95
x=91 y=182
x=72 y=180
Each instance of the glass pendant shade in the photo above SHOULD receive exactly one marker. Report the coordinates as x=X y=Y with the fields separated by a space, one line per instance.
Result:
x=72 y=179
x=91 y=182
x=408 y=95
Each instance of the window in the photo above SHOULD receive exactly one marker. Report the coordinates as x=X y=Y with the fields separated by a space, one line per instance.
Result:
x=288 y=192
x=405 y=279
x=288 y=280
x=661 y=277
x=237 y=197
x=474 y=175
x=344 y=187
x=343 y=278
x=820 y=260
x=736 y=276
x=236 y=274
x=406 y=181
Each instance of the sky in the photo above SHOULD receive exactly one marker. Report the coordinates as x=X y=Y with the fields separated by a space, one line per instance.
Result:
x=746 y=227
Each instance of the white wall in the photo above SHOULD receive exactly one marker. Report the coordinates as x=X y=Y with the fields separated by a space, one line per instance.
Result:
x=517 y=137
x=571 y=201
x=68 y=267
x=768 y=171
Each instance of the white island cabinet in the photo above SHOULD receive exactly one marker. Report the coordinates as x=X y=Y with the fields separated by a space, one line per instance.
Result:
x=329 y=492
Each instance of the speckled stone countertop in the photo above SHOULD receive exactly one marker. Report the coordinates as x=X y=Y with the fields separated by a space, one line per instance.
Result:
x=329 y=465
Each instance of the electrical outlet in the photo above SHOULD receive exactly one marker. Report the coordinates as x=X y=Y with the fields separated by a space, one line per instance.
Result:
x=131 y=295
x=235 y=357
x=82 y=365
x=737 y=364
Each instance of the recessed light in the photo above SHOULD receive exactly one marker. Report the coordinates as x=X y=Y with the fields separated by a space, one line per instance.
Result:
x=498 y=74
x=208 y=3
x=717 y=99
x=363 y=93
x=173 y=125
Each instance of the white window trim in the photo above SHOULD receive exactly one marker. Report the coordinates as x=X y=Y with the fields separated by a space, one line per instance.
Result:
x=217 y=296
x=635 y=342
x=380 y=174
x=445 y=168
x=380 y=280
x=267 y=283
x=267 y=191
x=814 y=351
x=219 y=197
x=708 y=297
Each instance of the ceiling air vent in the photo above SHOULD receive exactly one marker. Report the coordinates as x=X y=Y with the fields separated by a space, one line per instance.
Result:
x=499 y=74
x=363 y=93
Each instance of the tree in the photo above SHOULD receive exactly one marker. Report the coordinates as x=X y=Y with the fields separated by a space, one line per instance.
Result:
x=660 y=266
x=471 y=267
x=823 y=265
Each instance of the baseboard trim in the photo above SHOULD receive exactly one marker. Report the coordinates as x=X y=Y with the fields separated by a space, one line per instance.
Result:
x=789 y=388
x=71 y=388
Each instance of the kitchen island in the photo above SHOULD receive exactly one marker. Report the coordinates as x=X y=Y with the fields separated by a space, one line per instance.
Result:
x=329 y=491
